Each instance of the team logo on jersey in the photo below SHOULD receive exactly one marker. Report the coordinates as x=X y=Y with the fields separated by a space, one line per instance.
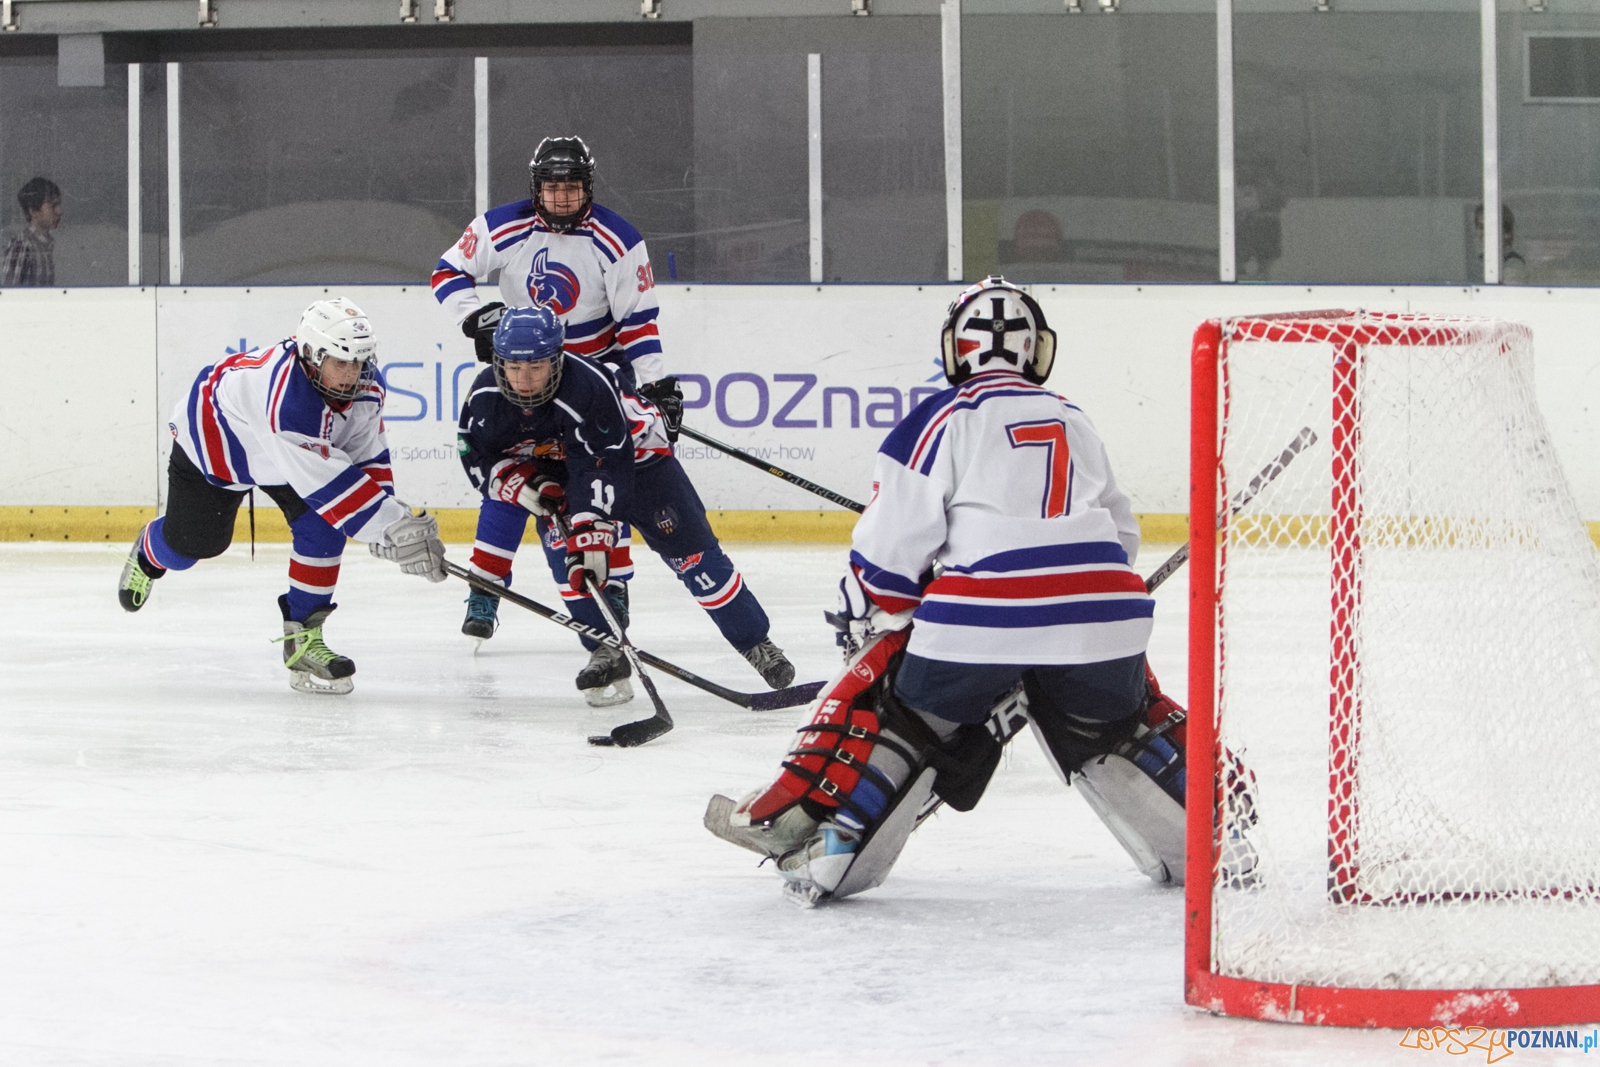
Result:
x=469 y=242
x=552 y=285
x=666 y=521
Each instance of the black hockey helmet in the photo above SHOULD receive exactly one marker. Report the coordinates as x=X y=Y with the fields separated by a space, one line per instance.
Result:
x=997 y=321
x=561 y=159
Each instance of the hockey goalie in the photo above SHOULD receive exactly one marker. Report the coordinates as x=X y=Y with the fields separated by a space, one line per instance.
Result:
x=990 y=583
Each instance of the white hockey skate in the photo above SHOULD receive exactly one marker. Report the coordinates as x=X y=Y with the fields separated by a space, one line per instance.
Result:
x=834 y=863
x=313 y=666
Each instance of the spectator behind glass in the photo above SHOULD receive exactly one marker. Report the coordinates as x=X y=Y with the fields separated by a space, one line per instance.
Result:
x=29 y=257
x=1513 y=268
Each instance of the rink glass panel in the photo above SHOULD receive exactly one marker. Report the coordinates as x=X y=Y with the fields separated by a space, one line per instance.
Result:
x=1357 y=146
x=883 y=211
x=1550 y=147
x=328 y=170
x=78 y=138
x=1089 y=146
x=1410 y=694
x=635 y=110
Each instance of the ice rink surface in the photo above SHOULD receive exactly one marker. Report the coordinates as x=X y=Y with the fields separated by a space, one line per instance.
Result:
x=201 y=866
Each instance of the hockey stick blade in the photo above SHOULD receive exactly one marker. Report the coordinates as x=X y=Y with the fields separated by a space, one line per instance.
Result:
x=777 y=472
x=794 y=696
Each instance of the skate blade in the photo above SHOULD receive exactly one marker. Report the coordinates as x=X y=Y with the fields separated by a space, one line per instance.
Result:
x=306 y=682
x=804 y=894
x=608 y=696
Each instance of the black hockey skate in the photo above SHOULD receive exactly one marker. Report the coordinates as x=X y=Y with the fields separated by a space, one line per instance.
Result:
x=604 y=681
x=313 y=666
x=483 y=615
x=770 y=662
x=133 y=588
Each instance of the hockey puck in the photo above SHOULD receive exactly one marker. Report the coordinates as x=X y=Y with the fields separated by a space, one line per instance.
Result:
x=601 y=739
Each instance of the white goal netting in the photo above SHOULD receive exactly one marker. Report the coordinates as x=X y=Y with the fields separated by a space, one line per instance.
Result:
x=1409 y=665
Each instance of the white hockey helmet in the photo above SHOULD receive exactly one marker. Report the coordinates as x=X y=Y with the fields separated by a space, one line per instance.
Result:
x=337 y=329
x=994 y=325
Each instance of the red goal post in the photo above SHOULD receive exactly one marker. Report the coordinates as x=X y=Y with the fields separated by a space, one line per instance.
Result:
x=1376 y=800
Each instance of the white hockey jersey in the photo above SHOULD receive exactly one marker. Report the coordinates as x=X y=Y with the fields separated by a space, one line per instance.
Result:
x=255 y=419
x=1007 y=486
x=596 y=277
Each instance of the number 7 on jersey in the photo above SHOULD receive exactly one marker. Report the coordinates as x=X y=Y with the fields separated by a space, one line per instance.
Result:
x=1050 y=435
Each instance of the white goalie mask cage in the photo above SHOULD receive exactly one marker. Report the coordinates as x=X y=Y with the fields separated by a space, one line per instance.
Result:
x=995 y=325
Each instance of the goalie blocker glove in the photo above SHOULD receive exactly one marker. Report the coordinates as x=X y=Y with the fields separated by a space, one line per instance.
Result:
x=480 y=326
x=413 y=542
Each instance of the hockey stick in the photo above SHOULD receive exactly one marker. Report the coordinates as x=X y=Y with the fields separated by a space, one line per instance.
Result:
x=792 y=697
x=629 y=734
x=776 y=472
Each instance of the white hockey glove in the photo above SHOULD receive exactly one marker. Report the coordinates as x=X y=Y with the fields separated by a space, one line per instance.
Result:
x=522 y=485
x=413 y=542
x=859 y=619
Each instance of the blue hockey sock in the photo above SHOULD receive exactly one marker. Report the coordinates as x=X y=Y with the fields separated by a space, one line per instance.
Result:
x=155 y=549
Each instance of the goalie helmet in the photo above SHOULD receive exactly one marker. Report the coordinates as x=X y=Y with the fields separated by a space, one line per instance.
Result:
x=994 y=325
x=336 y=330
x=561 y=159
x=525 y=336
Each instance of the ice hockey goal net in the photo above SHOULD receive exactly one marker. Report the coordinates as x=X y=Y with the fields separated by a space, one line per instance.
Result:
x=1395 y=669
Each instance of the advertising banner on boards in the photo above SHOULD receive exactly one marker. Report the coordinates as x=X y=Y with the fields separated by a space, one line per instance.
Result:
x=807 y=383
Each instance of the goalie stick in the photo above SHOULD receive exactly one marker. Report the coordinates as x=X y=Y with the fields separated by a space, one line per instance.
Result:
x=1007 y=721
x=776 y=472
x=629 y=734
x=792 y=697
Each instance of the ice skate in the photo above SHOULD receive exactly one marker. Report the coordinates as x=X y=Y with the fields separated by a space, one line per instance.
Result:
x=770 y=662
x=483 y=617
x=133 y=588
x=313 y=666
x=604 y=682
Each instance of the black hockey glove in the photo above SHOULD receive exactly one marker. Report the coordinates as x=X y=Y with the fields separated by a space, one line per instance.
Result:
x=665 y=394
x=480 y=326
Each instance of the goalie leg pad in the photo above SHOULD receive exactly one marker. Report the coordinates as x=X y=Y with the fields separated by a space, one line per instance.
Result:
x=839 y=863
x=1146 y=822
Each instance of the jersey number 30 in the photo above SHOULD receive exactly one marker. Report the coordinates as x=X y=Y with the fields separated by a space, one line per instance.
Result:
x=1051 y=436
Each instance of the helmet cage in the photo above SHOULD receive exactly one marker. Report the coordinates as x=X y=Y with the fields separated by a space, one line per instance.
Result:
x=337 y=330
x=959 y=366
x=529 y=401
x=561 y=159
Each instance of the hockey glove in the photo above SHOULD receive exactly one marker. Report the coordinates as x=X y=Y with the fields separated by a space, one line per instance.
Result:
x=589 y=545
x=858 y=617
x=523 y=486
x=413 y=542
x=480 y=326
x=665 y=394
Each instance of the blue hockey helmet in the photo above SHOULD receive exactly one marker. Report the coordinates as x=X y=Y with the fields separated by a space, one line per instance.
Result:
x=527 y=336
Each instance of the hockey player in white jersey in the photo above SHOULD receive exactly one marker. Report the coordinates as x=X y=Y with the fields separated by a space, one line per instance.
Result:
x=997 y=549
x=560 y=250
x=303 y=422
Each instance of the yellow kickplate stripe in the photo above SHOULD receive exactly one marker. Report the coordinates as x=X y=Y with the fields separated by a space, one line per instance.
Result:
x=457 y=525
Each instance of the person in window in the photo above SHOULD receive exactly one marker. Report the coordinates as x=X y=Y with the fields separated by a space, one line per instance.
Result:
x=1513 y=268
x=30 y=255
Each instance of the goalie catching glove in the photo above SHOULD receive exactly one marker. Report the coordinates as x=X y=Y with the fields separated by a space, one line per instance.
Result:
x=413 y=542
x=589 y=545
x=519 y=484
x=480 y=326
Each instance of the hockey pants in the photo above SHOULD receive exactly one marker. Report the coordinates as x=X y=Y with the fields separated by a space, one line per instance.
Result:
x=198 y=524
x=668 y=514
